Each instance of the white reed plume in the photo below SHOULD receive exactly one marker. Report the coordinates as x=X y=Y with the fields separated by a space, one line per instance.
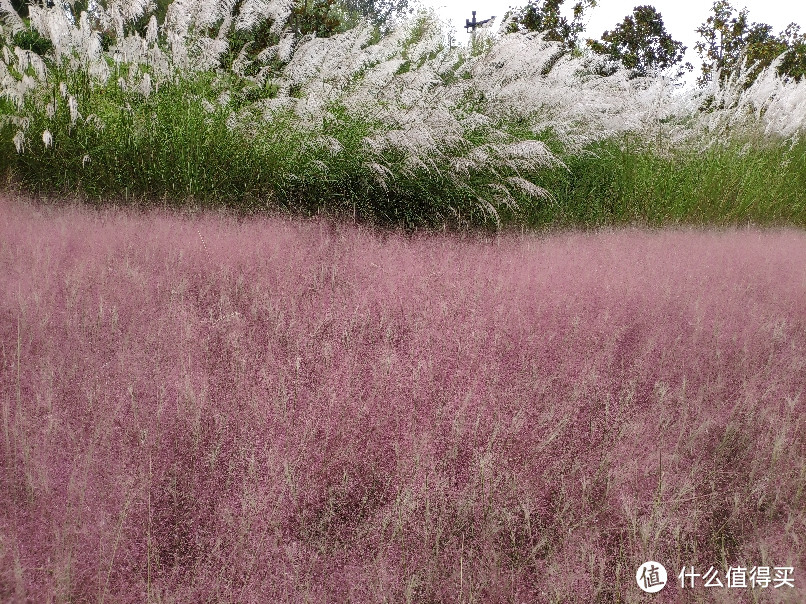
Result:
x=770 y=106
x=94 y=121
x=19 y=141
x=72 y=104
x=144 y=87
x=99 y=71
x=47 y=138
x=11 y=17
x=206 y=53
x=529 y=188
x=54 y=25
x=26 y=59
x=285 y=48
x=152 y=32
x=131 y=49
x=88 y=40
x=8 y=86
x=256 y=11
x=129 y=10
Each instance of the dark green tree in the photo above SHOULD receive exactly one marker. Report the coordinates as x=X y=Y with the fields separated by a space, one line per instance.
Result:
x=328 y=17
x=545 y=16
x=321 y=17
x=793 y=63
x=641 y=43
x=378 y=12
x=728 y=40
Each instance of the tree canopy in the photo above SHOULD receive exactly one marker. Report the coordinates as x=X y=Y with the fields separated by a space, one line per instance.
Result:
x=641 y=43
x=728 y=39
x=545 y=16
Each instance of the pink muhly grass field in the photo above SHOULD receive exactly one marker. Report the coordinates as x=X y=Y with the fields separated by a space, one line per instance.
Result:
x=201 y=409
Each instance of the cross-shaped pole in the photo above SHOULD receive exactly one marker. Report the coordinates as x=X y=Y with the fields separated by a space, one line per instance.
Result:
x=472 y=25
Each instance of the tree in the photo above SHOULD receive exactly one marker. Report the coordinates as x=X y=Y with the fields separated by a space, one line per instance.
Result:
x=793 y=63
x=328 y=17
x=641 y=43
x=321 y=17
x=545 y=16
x=378 y=12
x=729 y=40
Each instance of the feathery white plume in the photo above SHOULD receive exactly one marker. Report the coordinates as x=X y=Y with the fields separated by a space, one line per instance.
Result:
x=256 y=11
x=152 y=31
x=144 y=87
x=72 y=103
x=11 y=17
x=19 y=141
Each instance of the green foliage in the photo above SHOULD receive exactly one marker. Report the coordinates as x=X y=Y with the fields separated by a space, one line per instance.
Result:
x=621 y=181
x=793 y=63
x=328 y=17
x=252 y=42
x=378 y=12
x=729 y=39
x=641 y=43
x=30 y=39
x=321 y=17
x=21 y=6
x=187 y=140
x=545 y=16
x=178 y=144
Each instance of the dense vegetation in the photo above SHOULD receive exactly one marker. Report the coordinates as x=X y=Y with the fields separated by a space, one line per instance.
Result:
x=238 y=106
x=233 y=407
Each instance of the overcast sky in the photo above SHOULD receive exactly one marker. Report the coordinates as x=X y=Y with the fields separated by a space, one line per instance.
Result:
x=681 y=17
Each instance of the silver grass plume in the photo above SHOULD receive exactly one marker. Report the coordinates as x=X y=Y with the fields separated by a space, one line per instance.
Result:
x=27 y=58
x=152 y=31
x=72 y=104
x=128 y=10
x=770 y=106
x=256 y=11
x=19 y=141
x=7 y=12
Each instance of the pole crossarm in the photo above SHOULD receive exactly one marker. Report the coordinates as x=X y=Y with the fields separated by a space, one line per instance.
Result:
x=472 y=25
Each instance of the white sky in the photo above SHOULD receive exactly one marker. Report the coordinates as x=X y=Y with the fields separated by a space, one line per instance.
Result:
x=681 y=17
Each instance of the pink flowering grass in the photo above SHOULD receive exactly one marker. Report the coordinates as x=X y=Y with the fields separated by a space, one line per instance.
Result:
x=205 y=409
